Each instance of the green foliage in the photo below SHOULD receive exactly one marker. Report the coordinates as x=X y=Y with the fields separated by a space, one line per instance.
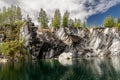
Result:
x=95 y=26
x=71 y=23
x=118 y=20
x=84 y=25
x=56 y=21
x=11 y=31
x=118 y=25
x=11 y=45
x=89 y=26
x=10 y=23
x=109 y=22
x=77 y=23
x=43 y=18
x=3 y=15
x=18 y=13
x=10 y=15
x=10 y=48
x=65 y=19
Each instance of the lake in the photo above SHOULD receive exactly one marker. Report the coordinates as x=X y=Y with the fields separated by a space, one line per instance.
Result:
x=76 y=69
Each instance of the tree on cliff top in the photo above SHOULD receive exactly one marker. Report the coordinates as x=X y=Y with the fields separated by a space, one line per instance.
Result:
x=109 y=22
x=84 y=25
x=10 y=15
x=43 y=19
x=77 y=23
x=118 y=22
x=71 y=23
x=65 y=19
x=18 y=13
x=56 y=21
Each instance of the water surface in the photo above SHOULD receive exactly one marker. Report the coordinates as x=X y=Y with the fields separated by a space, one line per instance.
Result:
x=76 y=69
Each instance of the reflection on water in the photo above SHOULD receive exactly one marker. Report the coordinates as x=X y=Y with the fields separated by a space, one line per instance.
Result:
x=79 y=69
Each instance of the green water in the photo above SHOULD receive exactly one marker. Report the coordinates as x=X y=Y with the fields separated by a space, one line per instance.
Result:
x=77 y=69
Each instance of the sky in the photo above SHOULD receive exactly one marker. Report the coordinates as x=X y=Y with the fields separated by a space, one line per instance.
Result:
x=91 y=11
x=99 y=17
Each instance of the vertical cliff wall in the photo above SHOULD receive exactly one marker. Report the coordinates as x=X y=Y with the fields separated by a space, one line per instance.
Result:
x=42 y=43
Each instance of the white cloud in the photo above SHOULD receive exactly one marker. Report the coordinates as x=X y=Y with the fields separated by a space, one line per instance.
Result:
x=78 y=8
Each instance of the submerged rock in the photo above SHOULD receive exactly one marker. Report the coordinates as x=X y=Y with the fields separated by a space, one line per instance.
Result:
x=42 y=43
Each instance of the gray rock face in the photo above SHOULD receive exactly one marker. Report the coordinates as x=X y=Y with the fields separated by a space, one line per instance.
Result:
x=78 y=41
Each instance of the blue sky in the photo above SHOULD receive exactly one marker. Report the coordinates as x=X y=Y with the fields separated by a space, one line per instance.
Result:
x=98 y=18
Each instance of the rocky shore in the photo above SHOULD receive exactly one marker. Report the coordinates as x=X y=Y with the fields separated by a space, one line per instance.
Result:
x=73 y=42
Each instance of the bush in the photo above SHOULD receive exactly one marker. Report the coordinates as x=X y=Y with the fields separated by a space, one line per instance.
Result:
x=11 y=48
x=108 y=22
x=11 y=31
x=118 y=25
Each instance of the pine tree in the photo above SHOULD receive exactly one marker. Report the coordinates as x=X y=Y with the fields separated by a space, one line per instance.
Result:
x=84 y=25
x=0 y=16
x=118 y=23
x=10 y=18
x=65 y=19
x=77 y=23
x=43 y=19
x=118 y=20
x=109 y=22
x=71 y=23
x=56 y=21
x=4 y=14
x=18 y=13
x=95 y=25
x=13 y=13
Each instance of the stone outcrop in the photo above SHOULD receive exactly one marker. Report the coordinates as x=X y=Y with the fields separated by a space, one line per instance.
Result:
x=81 y=42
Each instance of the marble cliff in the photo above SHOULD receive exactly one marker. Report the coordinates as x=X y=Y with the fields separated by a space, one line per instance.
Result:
x=70 y=42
